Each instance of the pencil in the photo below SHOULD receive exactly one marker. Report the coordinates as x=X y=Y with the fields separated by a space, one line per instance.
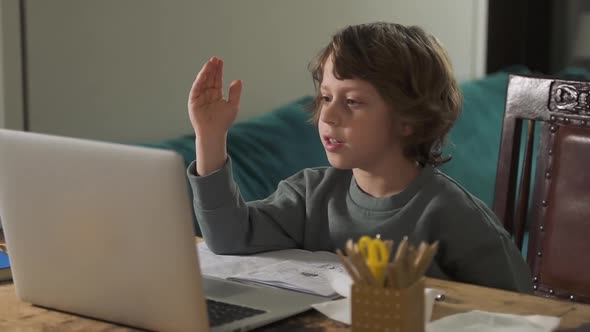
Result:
x=361 y=266
x=348 y=267
x=398 y=261
x=358 y=262
x=420 y=254
x=391 y=281
x=426 y=260
x=411 y=268
x=389 y=246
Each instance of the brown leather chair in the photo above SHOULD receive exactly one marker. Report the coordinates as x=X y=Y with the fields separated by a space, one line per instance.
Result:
x=559 y=231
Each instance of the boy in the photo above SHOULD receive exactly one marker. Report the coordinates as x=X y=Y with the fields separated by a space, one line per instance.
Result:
x=386 y=100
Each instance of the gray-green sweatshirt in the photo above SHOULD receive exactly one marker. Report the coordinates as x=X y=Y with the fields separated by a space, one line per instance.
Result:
x=321 y=208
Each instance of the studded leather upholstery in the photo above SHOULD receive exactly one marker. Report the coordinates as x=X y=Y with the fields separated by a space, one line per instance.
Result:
x=559 y=208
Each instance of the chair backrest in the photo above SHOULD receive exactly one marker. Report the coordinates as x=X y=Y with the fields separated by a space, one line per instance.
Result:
x=559 y=231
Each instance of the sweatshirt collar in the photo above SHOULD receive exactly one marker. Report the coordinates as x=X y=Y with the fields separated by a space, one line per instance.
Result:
x=396 y=201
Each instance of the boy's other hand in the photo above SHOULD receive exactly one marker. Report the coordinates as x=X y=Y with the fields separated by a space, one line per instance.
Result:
x=210 y=114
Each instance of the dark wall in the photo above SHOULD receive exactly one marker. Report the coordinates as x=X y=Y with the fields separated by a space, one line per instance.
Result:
x=520 y=32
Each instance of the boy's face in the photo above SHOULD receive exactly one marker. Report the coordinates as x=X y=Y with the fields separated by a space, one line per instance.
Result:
x=355 y=124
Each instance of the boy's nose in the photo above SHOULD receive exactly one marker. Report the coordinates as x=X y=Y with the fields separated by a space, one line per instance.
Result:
x=330 y=115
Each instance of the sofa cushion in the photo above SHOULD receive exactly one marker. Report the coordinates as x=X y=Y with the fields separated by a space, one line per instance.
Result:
x=272 y=147
x=474 y=140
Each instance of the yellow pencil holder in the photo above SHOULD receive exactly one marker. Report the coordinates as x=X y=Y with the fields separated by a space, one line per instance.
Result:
x=387 y=309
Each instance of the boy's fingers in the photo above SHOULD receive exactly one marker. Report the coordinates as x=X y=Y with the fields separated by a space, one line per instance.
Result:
x=218 y=73
x=200 y=81
x=205 y=79
x=235 y=92
x=197 y=87
x=209 y=71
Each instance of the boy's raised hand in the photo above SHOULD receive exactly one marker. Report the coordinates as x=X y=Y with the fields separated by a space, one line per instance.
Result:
x=210 y=114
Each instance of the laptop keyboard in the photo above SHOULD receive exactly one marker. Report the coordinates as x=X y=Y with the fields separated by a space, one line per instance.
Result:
x=223 y=313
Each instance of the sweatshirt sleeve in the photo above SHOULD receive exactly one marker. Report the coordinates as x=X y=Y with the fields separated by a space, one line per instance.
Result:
x=231 y=226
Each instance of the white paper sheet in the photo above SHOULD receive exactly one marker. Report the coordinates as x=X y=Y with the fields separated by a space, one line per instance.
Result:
x=340 y=309
x=294 y=269
x=483 y=321
x=480 y=321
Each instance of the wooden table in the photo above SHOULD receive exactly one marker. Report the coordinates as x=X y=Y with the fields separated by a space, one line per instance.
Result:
x=18 y=316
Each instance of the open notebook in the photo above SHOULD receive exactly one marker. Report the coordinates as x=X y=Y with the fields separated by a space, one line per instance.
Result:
x=293 y=269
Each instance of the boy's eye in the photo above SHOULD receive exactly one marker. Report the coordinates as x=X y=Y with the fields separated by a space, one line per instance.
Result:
x=351 y=102
x=325 y=99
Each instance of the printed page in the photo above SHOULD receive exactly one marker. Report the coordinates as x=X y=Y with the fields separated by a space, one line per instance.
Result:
x=307 y=277
x=225 y=266
x=294 y=269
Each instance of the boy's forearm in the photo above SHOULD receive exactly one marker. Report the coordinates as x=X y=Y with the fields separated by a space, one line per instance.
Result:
x=232 y=226
x=211 y=154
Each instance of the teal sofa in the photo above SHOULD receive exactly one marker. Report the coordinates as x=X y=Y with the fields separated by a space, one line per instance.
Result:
x=279 y=143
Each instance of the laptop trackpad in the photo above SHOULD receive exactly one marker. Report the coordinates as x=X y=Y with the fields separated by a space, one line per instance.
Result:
x=218 y=288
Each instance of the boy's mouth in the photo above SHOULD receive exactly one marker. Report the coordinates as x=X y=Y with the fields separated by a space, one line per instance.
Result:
x=331 y=140
x=332 y=144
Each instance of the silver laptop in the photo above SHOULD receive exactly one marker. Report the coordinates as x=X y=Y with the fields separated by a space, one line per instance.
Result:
x=105 y=231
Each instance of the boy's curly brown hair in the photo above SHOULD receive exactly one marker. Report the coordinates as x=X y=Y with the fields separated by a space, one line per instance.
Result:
x=410 y=69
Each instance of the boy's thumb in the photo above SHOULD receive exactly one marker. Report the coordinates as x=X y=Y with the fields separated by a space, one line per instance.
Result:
x=235 y=92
